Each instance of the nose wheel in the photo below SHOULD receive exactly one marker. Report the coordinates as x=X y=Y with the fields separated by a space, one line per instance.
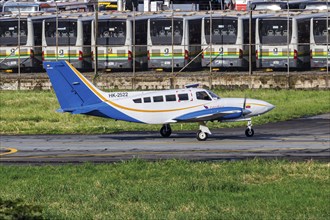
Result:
x=166 y=130
x=249 y=132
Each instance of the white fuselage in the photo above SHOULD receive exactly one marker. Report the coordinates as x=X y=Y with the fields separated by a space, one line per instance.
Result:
x=137 y=105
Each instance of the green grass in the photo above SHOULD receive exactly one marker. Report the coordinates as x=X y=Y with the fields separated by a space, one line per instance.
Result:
x=170 y=189
x=33 y=112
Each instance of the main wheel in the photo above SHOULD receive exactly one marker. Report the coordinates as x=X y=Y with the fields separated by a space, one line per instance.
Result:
x=165 y=131
x=249 y=132
x=201 y=136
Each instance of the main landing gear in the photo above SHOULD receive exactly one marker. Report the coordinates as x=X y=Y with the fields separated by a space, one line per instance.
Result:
x=249 y=132
x=204 y=131
x=166 y=130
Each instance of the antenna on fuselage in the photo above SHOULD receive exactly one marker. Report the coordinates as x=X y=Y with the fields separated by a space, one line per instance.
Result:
x=195 y=85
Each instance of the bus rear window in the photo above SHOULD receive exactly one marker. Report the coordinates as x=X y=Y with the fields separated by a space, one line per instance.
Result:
x=161 y=31
x=9 y=33
x=111 y=33
x=274 y=31
x=320 y=31
x=67 y=33
x=224 y=31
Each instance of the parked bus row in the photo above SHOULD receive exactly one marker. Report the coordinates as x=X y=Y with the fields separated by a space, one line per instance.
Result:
x=167 y=40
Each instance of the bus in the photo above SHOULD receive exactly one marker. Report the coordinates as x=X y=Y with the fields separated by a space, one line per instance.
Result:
x=228 y=45
x=320 y=40
x=20 y=39
x=16 y=7
x=262 y=5
x=70 y=40
x=174 y=47
x=121 y=41
x=282 y=41
x=315 y=5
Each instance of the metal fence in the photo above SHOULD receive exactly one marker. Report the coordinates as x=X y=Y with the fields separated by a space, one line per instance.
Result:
x=203 y=54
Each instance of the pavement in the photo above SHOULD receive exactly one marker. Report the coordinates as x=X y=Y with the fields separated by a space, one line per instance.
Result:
x=299 y=139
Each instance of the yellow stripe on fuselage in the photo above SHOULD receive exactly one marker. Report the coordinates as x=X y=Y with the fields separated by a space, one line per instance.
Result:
x=120 y=106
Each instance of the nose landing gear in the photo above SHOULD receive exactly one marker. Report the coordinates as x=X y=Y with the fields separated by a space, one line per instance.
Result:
x=203 y=132
x=249 y=132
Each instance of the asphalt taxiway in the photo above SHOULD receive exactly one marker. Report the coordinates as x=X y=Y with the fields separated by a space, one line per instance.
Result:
x=299 y=139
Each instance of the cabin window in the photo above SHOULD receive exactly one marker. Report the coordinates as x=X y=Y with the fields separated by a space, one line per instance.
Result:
x=202 y=95
x=158 y=98
x=214 y=96
x=183 y=97
x=146 y=99
x=137 y=100
x=170 y=98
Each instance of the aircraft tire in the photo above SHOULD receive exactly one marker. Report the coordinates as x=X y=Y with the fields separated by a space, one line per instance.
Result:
x=165 y=131
x=249 y=132
x=201 y=136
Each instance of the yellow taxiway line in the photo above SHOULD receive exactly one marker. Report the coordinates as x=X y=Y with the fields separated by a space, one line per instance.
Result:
x=8 y=151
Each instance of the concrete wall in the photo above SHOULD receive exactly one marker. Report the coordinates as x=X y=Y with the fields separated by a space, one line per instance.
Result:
x=166 y=81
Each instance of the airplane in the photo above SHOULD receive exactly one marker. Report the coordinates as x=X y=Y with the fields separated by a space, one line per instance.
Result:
x=77 y=95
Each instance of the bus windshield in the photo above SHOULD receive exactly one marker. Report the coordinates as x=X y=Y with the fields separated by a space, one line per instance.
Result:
x=320 y=31
x=9 y=33
x=111 y=32
x=224 y=31
x=67 y=33
x=161 y=31
x=273 y=31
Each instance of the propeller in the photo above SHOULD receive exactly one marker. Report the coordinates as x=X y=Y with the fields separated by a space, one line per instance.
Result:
x=245 y=111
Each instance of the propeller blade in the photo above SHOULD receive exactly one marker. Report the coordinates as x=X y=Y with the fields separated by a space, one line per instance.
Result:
x=244 y=103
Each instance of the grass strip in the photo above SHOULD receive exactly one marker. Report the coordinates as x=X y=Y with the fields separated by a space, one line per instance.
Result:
x=172 y=189
x=33 y=112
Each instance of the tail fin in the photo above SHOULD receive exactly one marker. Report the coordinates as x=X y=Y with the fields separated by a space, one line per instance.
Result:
x=72 y=89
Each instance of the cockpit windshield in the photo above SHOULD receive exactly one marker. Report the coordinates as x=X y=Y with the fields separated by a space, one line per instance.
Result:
x=214 y=96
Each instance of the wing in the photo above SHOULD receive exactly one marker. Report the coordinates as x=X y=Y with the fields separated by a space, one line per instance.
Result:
x=211 y=114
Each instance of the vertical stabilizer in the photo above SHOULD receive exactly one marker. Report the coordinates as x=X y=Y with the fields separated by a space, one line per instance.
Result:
x=72 y=89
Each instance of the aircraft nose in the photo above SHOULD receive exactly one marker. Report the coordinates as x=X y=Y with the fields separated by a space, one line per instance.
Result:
x=269 y=107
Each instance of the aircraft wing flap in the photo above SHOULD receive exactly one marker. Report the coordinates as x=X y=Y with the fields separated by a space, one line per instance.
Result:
x=211 y=114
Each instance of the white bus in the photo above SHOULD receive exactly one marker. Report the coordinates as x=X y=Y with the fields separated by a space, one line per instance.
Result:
x=20 y=40
x=283 y=41
x=185 y=34
x=228 y=43
x=70 y=41
x=320 y=40
x=121 y=41
x=16 y=7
